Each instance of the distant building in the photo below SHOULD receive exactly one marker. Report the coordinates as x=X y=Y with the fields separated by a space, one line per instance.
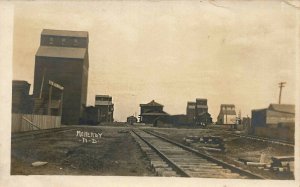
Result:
x=277 y=121
x=150 y=112
x=172 y=120
x=246 y=122
x=227 y=115
x=202 y=117
x=105 y=107
x=190 y=111
x=131 y=120
x=21 y=100
x=90 y=116
x=62 y=58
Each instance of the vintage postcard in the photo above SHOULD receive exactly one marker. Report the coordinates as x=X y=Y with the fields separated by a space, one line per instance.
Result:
x=132 y=93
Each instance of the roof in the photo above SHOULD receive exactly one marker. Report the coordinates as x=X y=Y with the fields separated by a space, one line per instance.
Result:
x=201 y=99
x=68 y=33
x=283 y=108
x=106 y=96
x=131 y=117
x=154 y=114
x=230 y=105
x=61 y=52
x=152 y=103
x=191 y=103
x=203 y=113
x=20 y=82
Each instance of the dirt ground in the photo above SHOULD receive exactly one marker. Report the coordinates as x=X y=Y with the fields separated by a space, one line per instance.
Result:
x=115 y=154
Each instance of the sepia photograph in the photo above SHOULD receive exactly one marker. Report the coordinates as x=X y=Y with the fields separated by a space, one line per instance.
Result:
x=152 y=90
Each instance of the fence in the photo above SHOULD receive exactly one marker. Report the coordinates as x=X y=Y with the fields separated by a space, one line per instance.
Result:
x=28 y=122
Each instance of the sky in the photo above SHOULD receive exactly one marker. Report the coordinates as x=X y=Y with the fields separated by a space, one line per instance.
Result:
x=230 y=52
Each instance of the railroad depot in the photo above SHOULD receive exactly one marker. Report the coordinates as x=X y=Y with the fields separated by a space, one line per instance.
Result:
x=151 y=112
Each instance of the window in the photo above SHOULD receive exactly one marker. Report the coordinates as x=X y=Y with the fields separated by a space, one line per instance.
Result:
x=51 y=39
x=63 y=41
x=75 y=42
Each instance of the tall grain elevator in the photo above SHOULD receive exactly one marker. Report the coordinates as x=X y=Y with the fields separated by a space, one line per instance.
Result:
x=63 y=58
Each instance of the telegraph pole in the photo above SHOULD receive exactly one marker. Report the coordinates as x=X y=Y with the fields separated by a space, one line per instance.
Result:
x=281 y=85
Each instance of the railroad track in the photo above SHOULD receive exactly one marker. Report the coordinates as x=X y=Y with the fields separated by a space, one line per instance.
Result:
x=279 y=142
x=259 y=138
x=38 y=133
x=172 y=159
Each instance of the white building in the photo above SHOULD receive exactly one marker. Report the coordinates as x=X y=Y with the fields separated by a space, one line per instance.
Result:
x=227 y=115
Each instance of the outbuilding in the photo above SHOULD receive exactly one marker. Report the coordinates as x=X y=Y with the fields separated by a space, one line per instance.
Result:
x=277 y=121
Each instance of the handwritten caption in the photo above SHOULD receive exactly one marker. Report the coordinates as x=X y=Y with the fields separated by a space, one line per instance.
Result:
x=88 y=137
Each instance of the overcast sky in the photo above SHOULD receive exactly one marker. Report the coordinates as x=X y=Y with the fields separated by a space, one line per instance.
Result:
x=228 y=52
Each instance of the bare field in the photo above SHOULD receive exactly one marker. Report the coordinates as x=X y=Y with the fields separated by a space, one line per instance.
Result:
x=115 y=154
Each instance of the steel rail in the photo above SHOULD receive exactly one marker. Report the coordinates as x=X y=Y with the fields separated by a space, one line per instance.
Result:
x=30 y=134
x=178 y=169
x=259 y=138
x=233 y=168
x=280 y=142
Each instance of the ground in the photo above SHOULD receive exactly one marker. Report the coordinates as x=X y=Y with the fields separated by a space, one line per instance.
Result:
x=236 y=148
x=117 y=154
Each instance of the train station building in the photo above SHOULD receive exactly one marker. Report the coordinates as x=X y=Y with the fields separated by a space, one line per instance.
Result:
x=151 y=111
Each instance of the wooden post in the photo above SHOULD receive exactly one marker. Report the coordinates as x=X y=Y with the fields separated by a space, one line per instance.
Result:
x=49 y=99
x=61 y=102
x=42 y=84
x=31 y=124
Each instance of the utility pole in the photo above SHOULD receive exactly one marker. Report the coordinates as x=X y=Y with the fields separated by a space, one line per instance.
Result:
x=281 y=85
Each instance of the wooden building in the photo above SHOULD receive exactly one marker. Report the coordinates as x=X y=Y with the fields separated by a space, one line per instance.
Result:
x=131 y=120
x=190 y=111
x=202 y=117
x=277 y=121
x=227 y=115
x=21 y=100
x=105 y=107
x=90 y=116
x=150 y=112
x=63 y=58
